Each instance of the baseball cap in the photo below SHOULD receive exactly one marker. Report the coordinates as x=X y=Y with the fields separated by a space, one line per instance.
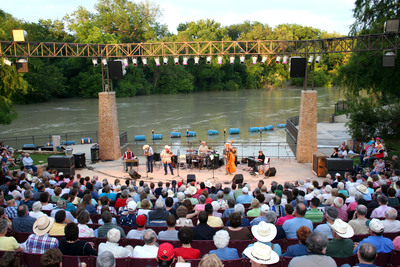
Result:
x=264 y=208
x=245 y=190
x=179 y=184
x=141 y=220
x=165 y=252
x=132 y=205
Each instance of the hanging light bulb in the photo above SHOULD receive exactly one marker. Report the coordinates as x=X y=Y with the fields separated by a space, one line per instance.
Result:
x=134 y=61
x=219 y=60
x=232 y=60
x=264 y=59
x=185 y=60
x=242 y=59
x=254 y=58
x=285 y=59
x=144 y=60
x=196 y=60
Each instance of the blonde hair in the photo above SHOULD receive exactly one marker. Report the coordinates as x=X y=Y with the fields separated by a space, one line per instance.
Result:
x=210 y=260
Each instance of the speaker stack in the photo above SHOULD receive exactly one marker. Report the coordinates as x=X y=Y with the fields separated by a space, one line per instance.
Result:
x=319 y=164
x=80 y=160
x=65 y=164
x=338 y=165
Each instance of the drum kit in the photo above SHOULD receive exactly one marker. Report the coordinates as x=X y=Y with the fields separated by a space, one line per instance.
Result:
x=194 y=160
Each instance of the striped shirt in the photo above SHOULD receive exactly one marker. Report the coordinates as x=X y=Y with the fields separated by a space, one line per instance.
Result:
x=11 y=212
x=39 y=244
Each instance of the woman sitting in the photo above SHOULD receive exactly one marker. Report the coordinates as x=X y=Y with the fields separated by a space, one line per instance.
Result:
x=215 y=205
x=255 y=208
x=299 y=249
x=104 y=201
x=221 y=241
x=266 y=232
x=113 y=237
x=190 y=211
x=181 y=212
x=74 y=196
x=87 y=204
x=200 y=207
x=36 y=213
x=145 y=207
x=240 y=208
x=186 y=235
x=57 y=194
x=103 y=209
x=235 y=230
x=83 y=218
x=70 y=245
x=121 y=202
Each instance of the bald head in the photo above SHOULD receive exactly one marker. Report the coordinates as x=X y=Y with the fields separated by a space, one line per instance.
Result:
x=300 y=210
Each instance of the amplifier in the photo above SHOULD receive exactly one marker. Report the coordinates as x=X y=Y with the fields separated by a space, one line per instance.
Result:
x=61 y=161
x=191 y=178
x=338 y=164
x=80 y=160
x=319 y=164
x=70 y=171
x=238 y=179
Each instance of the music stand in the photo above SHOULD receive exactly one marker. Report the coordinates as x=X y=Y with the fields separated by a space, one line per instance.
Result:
x=213 y=169
x=179 y=163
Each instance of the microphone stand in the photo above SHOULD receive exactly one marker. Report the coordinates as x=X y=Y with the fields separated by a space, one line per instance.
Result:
x=179 y=163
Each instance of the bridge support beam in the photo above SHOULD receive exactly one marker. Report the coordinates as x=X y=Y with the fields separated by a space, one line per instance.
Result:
x=109 y=145
x=307 y=135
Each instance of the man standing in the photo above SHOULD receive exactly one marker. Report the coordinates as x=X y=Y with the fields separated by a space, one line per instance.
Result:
x=128 y=155
x=166 y=156
x=148 y=152
x=28 y=163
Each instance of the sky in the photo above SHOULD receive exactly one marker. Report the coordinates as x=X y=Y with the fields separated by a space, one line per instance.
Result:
x=329 y=15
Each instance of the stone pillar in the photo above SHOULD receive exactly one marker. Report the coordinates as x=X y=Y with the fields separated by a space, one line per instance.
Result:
x=109 y=146
x=307 y=135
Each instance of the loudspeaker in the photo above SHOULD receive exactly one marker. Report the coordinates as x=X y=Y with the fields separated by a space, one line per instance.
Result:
x=319 y=164
x=389 y=61
x=61 y=161
x=80 y=160
x=190 y=178
x=215 y=162
x=22 y=67
x=70 y=171
x=115 y=70
x=157 y=157
x=134 y=174
x=338 y=164
x=270 y=172
x=298 y=67
x=238 y=179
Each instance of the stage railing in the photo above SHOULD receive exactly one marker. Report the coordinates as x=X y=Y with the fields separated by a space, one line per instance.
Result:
x=292 y=132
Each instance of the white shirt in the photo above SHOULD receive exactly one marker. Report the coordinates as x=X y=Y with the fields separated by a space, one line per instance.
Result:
x=391 y=226
x=27 y=161
x=37 y=214
x=85 y=231
x=114 y=248
x=146 y=251
x=135 y=234
x=48 y=207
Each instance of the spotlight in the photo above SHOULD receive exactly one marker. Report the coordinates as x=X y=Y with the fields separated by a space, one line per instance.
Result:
x=176 y=60
x=232 y=60
x=392 y=26
x=125 y=62
x=318 y=59
x=219 y=60
x=104 y=62
x=241 y=59
x=185 y=60
x=208 y=60
x=134 y=61
x=278 y=59
x=165 y=61
x=94 y=61
x=254 y=60
x=264 y=59
x=310 y=59
x=196 y=60
x=157 y=60
x=19 y=35
x=285 y=58
x=144 y=60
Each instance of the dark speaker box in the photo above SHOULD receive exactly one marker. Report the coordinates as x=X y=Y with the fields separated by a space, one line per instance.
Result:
x=338 y=164
x=389 y=61
x=191 y=178
x=298 y=67
x=115 y=70
x=80 y=160
x=134 y=174
x=22 y=67
x=70 y=171
x=238 y=179
x=270 y=172
x=61 y=161
x=215 y=162
x=319 y=164
x=157 y=156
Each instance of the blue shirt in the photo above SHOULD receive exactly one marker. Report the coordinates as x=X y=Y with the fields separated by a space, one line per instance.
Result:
x=295 y=251
x=324 y=229
x=225 y=254
x=291 y=226
x=257 y=220
x=382 y=244
x=227 y=212
x=128 y=220
x=244 y=199
x=23 y=224
x=111 y=196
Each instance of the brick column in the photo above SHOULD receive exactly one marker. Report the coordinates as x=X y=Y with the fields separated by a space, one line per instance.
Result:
x=307 y=136
x=109 y=146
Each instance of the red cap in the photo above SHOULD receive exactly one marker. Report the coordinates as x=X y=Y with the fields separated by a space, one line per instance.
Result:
x=165 y=252
x=179 y=184
x=193 y=183
x=141 y=220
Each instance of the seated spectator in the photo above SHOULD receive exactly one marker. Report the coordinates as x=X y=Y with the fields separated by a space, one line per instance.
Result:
x=392 y=199
x=130 y=218
x=27 y=199
x=240 y=208
x=150 y=248
x=10 y=259
x=316 y=245
x=364 y=190
x=171 y=233
x=339 y=204
x=186 y=235
x=165 y=255
x=382 y=244
x=358 y=223
x=202 y=203
x=190 y=211
x=44 y=198
x=290 y=226
x=23 y=222
x=27 y=161
x=121 y=202
x=51 y=258
x=86 y=203
x=7 y=243
x=103 y=209
x=215 y=205
x=138 y=233
x=366 y=255
x=223 y=204
x=299 y=249
x=314 y=214
x=181 y=212
x=62 y=205
x=230 y=209
x=36 y=213
x=236 y=232
x=221 y=241
x=158 y=216
x=169 y=205
x=113 y=237
x=144 y=208
x=108 y=193
x=263 y=211
x=105 y=259
x=391 y=225
x=203 y=231
x=104 y=201
x=380 y=211
x=255 y=208
x=261 y=254
x=289 y=215
x=209 y=260
x=57 y=194
x=40 y=240
x=330 y=215
x=277 y=205
x=59 y=224
x=341 y=246
x=212 y=220
x=11 y=209
x=70 y=245
x=84 y=230
x=245 y=198
x=103 y=230
x=265 y=233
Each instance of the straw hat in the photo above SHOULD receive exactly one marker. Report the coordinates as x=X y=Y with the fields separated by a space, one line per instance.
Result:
x=191 y=190
x=261 y=253
x=208 y=183
x=170 y=193
x=43 y=225
x=362 y=188
x=342 y=228
x=264 y=231
x=145 y=147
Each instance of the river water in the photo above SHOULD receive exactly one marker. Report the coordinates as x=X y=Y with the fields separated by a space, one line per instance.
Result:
x=164 y=114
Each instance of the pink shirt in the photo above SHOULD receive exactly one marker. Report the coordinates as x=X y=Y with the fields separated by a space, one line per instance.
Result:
x=282 y=220
x=379 y=212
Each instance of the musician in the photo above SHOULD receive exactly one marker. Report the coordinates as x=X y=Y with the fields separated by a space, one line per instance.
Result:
x=128 y=155
x=260 y=161
x=166 y=156
x=225 y=153
x=203 y=149
x=148 y=152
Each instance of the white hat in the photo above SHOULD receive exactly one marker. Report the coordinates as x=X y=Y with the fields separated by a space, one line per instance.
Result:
x=342 y=228
x=337 y=174
x=310 y=187
x=264 y=231
x=146 y=147
x=245 y=190
x=43 y=225
x=264 y=208
x=167 y=147
x=132 y=205
x=362 y=188
x=208 y=183
x=376 y=225
x=170 y=193
x=191 y=190
x=261 y=253
x=60 y=173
